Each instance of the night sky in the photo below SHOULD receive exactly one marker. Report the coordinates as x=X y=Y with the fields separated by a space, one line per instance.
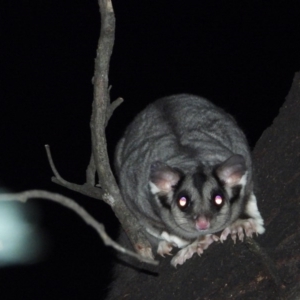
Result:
x=242 y=55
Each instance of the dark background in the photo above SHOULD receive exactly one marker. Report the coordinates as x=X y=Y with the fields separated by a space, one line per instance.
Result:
x=240 y=54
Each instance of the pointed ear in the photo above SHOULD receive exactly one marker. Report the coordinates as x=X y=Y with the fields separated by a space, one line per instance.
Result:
x=162 y=178
x=231 y=171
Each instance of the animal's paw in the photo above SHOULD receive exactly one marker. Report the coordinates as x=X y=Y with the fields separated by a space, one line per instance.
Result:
x=184 y=254
x=164 y=247
x=205 y=241
x=240 y=228
x=198 y=246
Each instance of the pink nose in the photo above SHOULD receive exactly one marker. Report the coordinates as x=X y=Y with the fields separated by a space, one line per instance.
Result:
x=202 y=223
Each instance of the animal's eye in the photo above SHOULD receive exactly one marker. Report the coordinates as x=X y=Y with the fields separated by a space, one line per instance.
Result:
x=183 y=202
x=218 y=200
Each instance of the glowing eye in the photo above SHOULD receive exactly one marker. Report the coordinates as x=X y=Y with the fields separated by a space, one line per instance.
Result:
x=182 y=202
x=218 y=200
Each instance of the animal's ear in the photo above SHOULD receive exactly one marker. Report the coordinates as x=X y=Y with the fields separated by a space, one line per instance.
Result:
x=231 y=171
x=163 y=178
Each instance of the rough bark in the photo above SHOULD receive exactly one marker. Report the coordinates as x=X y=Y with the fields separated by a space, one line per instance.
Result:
x=102 y=109
x=266 y=267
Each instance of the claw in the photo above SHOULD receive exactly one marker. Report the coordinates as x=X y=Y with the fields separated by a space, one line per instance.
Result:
x=164 y=248
x=224 y=234
x=198 y=246
x=199 y=251
x=239 y=229
x=233 y=236
x=215 y=238
x=241 y=236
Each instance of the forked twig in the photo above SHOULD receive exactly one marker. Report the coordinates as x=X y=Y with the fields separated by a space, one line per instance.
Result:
x=85 y=189
x=102 y=109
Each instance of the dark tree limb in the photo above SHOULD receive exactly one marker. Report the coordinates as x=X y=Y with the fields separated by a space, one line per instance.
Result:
x=91 y=172
x=267 y=267
x=102 y=109
x=69 y=203
x=112 y=108
x=86 y=189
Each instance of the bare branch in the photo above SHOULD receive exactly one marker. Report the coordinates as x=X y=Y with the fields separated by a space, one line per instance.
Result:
x=53 y=168
x=112 y=107
x=102 y=110
x=91 y=172
x=101 y=101
x=86 y=189
x=34 y=194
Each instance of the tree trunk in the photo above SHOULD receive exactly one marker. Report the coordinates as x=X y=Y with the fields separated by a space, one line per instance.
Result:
x=266 y=267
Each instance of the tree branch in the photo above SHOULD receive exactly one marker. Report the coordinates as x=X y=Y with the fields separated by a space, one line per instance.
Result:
x=34 y=194
x=112 y=107
x=86 y=189
x=91 y=172
x=102 y=110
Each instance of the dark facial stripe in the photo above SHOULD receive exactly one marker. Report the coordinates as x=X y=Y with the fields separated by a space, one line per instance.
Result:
x=164 y=201
x=236 y=190
x=199 y=179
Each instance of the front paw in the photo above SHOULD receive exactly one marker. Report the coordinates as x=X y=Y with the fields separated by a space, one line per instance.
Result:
x=197 y=246
x=205 y=241
x=184 y=254
x=240 y=228
x=164 y=247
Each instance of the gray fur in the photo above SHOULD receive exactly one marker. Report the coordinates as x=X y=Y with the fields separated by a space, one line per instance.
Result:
x=194 y=141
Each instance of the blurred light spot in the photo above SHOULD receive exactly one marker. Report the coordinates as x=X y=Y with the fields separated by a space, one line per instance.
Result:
x=20 y=240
